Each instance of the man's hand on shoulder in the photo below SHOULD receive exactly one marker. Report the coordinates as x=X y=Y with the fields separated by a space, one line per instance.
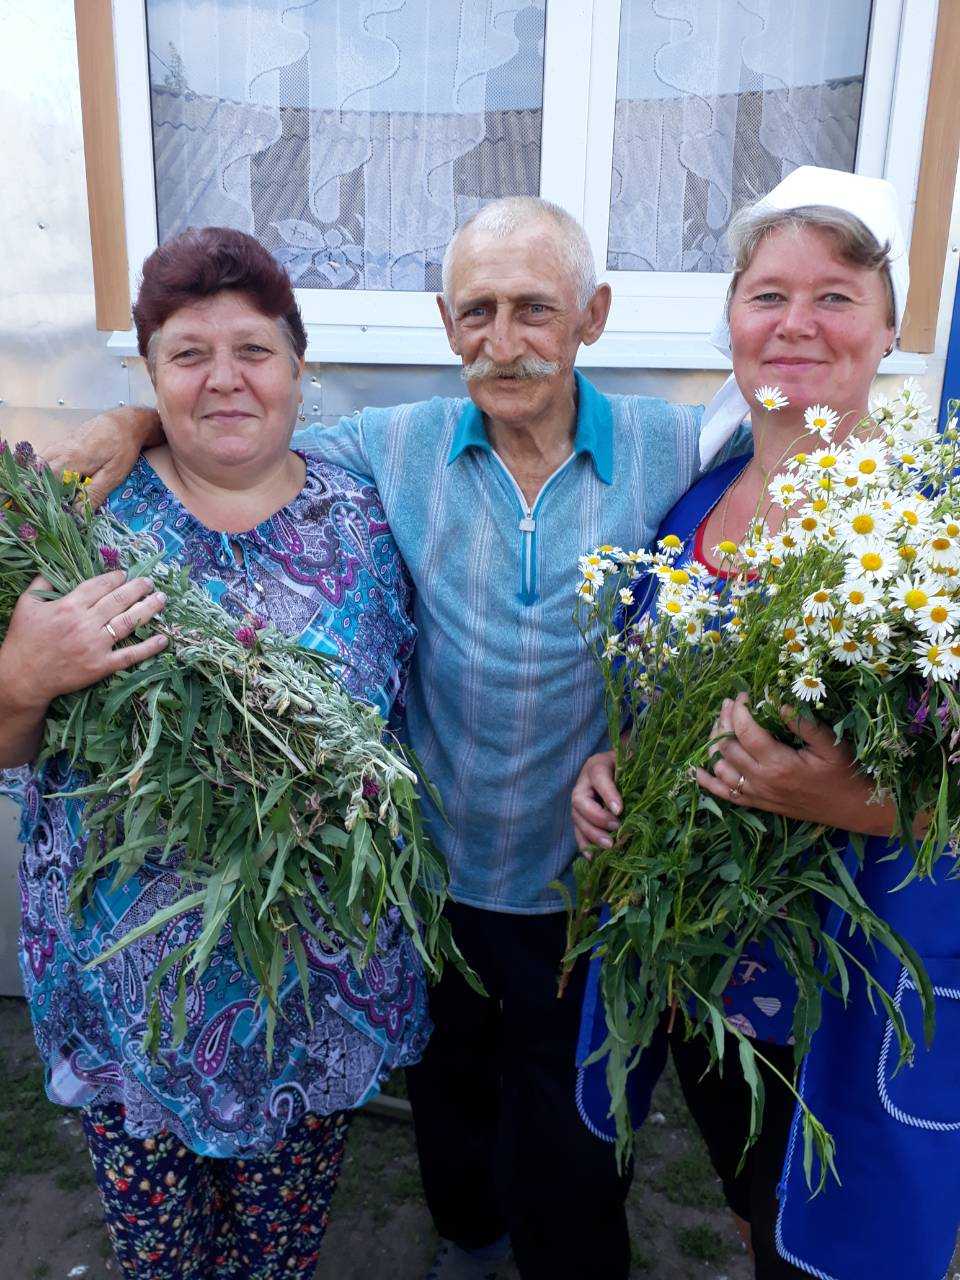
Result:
x=106 y=447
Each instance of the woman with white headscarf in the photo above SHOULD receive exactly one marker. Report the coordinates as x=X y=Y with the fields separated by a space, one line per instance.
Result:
x=815 y=301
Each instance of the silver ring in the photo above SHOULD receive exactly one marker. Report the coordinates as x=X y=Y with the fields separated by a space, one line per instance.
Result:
x=109 y=628
x=737 y=791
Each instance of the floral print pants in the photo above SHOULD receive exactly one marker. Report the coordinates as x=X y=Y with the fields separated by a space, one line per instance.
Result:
x=175 y=1215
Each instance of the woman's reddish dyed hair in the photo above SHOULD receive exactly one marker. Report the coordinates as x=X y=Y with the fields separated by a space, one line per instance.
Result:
x=203 y=261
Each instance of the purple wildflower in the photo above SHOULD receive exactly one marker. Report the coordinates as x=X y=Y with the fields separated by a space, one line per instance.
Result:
x=370 y=789
x=245 y=636
x=27 y=532
x=918 y=712
x=23 y=452
x=110 y=557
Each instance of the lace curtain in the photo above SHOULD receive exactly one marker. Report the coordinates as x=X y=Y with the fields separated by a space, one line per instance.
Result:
x=717 y=100
x=351 y=137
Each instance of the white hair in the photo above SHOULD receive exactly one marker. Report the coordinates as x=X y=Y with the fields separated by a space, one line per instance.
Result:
x=500 y=218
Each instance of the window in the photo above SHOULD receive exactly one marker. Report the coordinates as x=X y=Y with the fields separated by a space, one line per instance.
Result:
x=352 y=137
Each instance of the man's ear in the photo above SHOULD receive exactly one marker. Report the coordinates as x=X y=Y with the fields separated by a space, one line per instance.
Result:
x=595 y=314
x=447 y=319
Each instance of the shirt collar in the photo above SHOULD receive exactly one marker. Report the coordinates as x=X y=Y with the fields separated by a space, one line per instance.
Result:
x=593 y=436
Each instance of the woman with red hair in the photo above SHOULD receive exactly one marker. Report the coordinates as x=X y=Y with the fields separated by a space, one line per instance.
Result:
x=211 y=1160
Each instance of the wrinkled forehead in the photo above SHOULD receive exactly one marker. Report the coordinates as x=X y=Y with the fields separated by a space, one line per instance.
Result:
x=796 y=252
x=521 y=262
x=226 y=312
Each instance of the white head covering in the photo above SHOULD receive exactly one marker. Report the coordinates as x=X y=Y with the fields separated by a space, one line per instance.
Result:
x=874 y=202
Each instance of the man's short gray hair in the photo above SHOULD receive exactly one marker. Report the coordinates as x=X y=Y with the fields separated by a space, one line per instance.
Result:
x=502 y=217
x=855 y=242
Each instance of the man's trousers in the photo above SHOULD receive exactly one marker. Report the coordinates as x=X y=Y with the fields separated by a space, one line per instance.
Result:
x=502 y=1147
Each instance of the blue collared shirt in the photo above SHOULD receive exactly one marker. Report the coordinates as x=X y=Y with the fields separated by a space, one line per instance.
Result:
x=504 y=702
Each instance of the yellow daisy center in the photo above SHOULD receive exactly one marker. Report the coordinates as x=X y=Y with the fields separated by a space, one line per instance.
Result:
x=673 y=606
x=915 y=598
x=908 y=553
x=863 y=523
x=809 y=524
x=856 y=597
x=867 y=466
x=819 y=504
x=671 y=540
x=727 y=547
x=679 y=577
x=828 y=460
x=940 y=544
x=939 y=614
x=871 y=560
x=821 y=597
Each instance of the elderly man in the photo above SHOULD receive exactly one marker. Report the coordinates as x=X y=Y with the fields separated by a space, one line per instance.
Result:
x=491 y=500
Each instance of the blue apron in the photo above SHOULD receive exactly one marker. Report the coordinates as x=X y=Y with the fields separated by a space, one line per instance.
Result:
x=896 y=1212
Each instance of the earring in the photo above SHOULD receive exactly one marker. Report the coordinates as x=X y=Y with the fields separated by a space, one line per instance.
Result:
x=889 y=351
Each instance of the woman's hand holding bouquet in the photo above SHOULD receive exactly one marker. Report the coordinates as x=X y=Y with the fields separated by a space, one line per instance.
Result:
x=849 y=612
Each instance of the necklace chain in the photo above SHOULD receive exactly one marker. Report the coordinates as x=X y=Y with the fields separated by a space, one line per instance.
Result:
x=727 y=494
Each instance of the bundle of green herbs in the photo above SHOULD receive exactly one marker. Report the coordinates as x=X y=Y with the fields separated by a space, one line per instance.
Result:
x=234 y=758
x=851 y=612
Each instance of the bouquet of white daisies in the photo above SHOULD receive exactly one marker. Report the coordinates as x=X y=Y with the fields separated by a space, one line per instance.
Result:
x=851 y=609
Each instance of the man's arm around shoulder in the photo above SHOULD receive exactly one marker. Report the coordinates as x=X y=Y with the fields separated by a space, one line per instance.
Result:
x=106 y=447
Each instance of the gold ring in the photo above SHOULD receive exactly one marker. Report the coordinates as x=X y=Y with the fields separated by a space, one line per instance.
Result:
x=737 y=791
x=109 y=628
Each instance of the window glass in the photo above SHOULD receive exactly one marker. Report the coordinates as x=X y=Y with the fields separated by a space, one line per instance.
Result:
x=717 y=100
x=351 y=137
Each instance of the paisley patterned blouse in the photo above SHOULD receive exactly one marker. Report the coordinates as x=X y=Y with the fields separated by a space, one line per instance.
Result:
x=324 y=568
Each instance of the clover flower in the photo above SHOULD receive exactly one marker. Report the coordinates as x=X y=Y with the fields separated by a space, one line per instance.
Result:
x=110 y=557
x=27 y=532
x=246 y=636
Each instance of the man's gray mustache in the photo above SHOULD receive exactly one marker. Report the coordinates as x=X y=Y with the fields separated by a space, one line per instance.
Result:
x=525 y=367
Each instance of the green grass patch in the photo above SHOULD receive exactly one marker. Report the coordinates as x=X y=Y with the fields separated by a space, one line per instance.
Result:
x=33 y=1138
x=75 y=1177
x=30 y=1136
x=640 y=1259
x=689 y=1180
x=703 y=1243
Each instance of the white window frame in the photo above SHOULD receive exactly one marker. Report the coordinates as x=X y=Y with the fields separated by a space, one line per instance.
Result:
x=658 y=318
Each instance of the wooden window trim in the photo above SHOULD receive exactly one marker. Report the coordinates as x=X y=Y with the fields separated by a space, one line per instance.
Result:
x=935 y=187
x=101 y=149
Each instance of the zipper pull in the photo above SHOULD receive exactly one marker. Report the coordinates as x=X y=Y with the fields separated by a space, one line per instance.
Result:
x=528 y=524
